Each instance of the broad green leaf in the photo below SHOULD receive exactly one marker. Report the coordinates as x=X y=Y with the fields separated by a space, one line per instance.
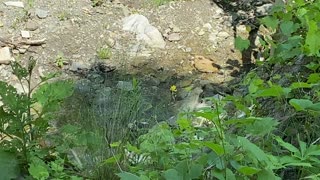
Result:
x=315 y=107
x=271 y=22
x=38 y=171
x=9 y=166
x=312 y=66
x=128 y=176
x=252 y=148
x=314 y=78
x=267 y=175
x=312 y=45
x=171 y=174
x=246 y=170
x=262 y=126
x=313 y=150
x=287 y=27
x=195 y=171
x=286 y=145
x=217 y=148
x=208 y=115
x=297 y=85
x=184 y=124
x=300 y=104
x=274 y=91
x=241 y=44
x=230 y=175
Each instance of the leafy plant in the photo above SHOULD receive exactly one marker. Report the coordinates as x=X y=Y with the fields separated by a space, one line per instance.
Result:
x=104 y=53
x=24 y=120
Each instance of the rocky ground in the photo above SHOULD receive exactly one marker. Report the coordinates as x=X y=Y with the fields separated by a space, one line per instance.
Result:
x=187 y=43
x=195 y=34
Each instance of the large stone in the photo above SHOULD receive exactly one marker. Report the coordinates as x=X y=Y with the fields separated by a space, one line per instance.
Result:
x=14 y=4
x=145 y=32
x=205 y=65
x=5 y=55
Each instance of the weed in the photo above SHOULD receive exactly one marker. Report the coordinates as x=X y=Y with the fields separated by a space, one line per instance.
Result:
x=104 y=53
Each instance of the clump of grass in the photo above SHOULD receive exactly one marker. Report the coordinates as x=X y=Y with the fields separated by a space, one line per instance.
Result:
x=104 y=53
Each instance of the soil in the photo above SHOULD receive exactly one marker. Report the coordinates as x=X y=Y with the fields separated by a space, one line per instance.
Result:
x=75 y=30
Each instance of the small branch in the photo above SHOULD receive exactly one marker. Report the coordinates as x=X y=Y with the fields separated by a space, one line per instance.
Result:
x=37 y=42
x=6 y=62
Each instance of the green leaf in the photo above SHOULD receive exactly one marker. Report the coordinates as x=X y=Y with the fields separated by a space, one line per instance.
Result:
x=246 y=170
x=303 y=148
x=297 y=85
x=127 y=176
x=286 y=145
x=19 y=71
x=38 y=171
x=287 y=27
x=217 y=148
x=9 y=167
x=314 y=78
x=195 y=171
x=113 y=159
x=314 y=107
x=230 y=175
x=312 y=66
x=300 y=104
x=241 y=44
x=312 y=45
x=262 y=126
x=274 y=91
x=271 y=22
x=267 y=175
x=252 y=148
x=171 y=174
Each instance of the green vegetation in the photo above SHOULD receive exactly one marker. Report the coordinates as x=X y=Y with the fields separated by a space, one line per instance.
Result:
x=104 y=53
x=268 y=131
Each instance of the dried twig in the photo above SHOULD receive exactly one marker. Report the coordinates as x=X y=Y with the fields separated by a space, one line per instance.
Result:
x=6 y=62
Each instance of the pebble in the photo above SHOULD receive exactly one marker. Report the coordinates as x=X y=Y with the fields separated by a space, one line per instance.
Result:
x=25 y=34
x=14 y=4
x=41 y=13
x=205 y=65
x=223 y=34
x=201 y=32
x=174 y=37
x=5 y=55
x=32 y=26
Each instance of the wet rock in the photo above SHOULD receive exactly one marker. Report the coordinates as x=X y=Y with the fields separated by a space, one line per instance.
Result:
x=174 y=37
x=41 y=13
x=32 y=26
x=102 y=96
x=78 y=66
x=264 y=9
x=145 y=32
x=14 y=4
x=205 y=65
x=5 y=56
x=124 y=85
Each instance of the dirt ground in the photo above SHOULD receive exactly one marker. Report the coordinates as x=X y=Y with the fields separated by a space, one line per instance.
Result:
x=74 y=30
